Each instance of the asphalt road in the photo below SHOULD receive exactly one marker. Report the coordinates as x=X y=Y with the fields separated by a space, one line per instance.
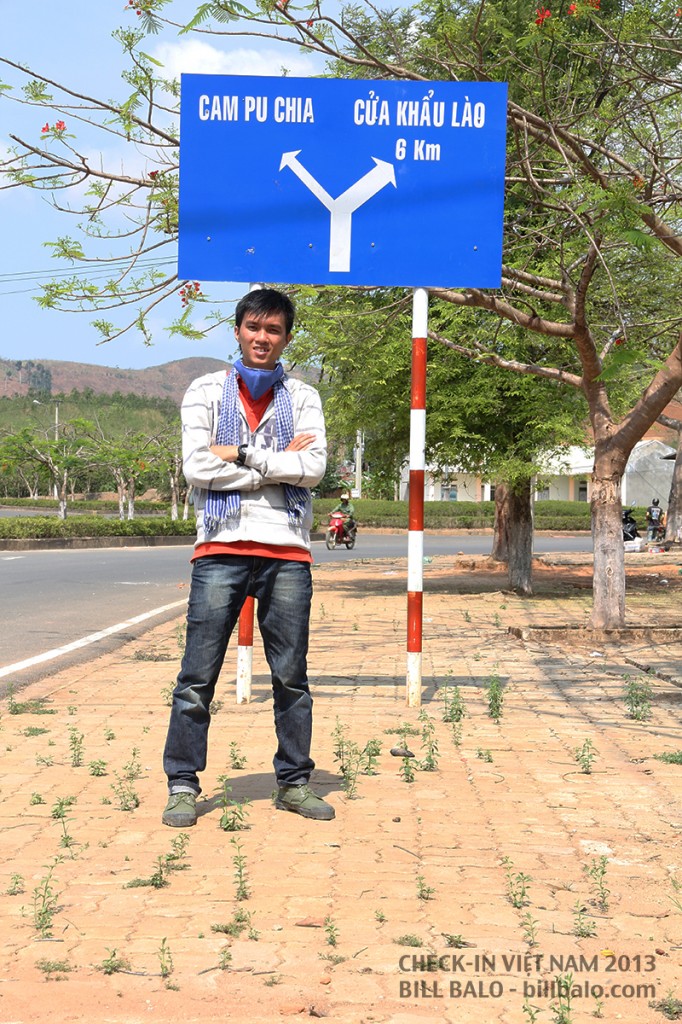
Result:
x=54 y=599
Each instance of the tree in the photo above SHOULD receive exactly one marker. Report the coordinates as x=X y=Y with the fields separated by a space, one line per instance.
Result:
x=479 y=419
x=167 y=458
x=125 y=457
x=593 y=195
x=60 y=457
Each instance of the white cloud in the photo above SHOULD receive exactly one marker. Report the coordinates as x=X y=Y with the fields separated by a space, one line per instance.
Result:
x=196 y=57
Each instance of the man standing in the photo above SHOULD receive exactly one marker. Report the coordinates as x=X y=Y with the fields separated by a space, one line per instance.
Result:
x=253 y=444
x=654 y=519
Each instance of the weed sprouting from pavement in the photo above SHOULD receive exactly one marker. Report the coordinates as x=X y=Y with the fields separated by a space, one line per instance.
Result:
x=670 y=757
x=517 y=892
x=495 y=698
x=125 y=793
x=239 y=861
x=113 y=963
x=637 y=694
x=55 y=968
x=235 y=812
x=429 y=743
x=424 y=891
x=165 y=959
x=237 y=759
x=530 y=929
x=561 y=1010
x=331 y=931
x=585 y=755
x=46 y=902
x=76 y=739
x=453 y=704
x=596 y=872
x=583 y=927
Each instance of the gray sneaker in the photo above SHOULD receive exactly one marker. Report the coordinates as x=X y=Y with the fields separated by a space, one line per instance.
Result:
x=181 y=810
x=301 y=800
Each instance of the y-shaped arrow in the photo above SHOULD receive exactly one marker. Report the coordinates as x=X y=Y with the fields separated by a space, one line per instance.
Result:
x=344 y=206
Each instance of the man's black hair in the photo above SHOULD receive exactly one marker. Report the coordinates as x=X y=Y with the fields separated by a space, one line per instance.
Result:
x=264 y=301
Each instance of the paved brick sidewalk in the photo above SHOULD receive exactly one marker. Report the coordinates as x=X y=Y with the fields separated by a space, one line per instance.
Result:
x=481 y=862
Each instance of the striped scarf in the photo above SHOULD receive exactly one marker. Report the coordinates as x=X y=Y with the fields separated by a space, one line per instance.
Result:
x=224 y=506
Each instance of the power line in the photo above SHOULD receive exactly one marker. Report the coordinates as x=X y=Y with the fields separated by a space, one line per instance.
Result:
x=94 y=271
x=98 y=273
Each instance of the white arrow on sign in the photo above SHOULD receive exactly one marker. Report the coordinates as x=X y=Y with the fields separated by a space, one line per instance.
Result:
x=344 y=206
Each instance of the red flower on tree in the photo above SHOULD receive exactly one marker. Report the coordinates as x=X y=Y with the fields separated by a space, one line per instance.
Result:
x=60 y=126
x=45 y=129
x=543 y=13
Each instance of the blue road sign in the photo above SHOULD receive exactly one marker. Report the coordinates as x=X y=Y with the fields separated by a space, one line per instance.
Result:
x=335 y=181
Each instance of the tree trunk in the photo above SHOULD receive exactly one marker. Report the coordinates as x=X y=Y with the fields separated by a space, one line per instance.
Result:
x=500 y=551
x=185 y=507
x=175 y=493
x=608 y=583
x=520 y=538
x=673 y=523
x=131 y=498
x=61 y=486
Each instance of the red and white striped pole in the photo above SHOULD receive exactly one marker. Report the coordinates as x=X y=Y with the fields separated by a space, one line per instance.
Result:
x=245 y=651
x=415 y=536
x=246 y=617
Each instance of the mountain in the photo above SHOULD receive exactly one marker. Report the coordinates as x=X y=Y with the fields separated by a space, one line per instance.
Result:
x=169 y=380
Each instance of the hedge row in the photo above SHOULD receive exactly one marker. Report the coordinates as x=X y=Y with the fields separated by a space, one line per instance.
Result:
x=80 y=505
x=32 y=527
x=456 y=515
x=460 y=515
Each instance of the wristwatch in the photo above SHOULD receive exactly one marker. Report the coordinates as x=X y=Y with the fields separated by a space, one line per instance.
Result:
x=241 y=455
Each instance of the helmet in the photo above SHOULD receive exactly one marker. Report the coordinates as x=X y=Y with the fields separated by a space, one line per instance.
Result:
x=655 y=501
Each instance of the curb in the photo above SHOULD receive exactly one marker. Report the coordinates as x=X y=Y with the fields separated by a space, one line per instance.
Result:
x=57 y=543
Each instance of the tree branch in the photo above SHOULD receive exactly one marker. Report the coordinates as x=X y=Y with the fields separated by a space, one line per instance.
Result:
x=479 y=355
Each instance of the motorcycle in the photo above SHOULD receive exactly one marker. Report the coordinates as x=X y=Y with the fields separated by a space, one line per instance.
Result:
x=337 y=533
x=630 y=531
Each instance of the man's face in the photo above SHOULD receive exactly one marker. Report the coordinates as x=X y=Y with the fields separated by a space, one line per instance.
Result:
x=262 y=340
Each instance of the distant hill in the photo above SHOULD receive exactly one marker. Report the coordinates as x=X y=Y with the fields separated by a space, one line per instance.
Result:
x=168 y=380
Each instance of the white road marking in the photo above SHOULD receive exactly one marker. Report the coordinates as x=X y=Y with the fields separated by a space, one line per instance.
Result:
x=92 y=638
x=12 y=558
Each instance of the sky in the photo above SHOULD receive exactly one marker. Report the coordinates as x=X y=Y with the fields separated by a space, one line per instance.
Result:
x=72 y=44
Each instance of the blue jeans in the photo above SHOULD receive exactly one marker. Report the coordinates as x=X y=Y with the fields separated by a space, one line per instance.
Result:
x=220 y=585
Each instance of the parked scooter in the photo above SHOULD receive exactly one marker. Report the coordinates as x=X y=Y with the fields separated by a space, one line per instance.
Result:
x=337 y=532
x=630 y=531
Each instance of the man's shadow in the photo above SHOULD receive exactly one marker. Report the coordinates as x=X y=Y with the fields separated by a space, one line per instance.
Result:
x=260 y=786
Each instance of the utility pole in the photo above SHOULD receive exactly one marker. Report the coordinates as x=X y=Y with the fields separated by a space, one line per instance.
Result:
x=358 y=464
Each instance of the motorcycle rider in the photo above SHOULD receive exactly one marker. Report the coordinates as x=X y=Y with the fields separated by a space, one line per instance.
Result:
x=654 y=519
x=345 y=506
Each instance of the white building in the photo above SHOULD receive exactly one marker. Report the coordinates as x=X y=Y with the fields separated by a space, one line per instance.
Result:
x=566 y=477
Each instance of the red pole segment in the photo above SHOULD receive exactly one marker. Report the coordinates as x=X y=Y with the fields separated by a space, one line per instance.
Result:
x=415 y=537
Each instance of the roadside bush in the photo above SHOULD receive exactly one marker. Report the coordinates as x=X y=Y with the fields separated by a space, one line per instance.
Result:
x=80 y=505
x=371 y=514
x=459 y=515
x=93 y=526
